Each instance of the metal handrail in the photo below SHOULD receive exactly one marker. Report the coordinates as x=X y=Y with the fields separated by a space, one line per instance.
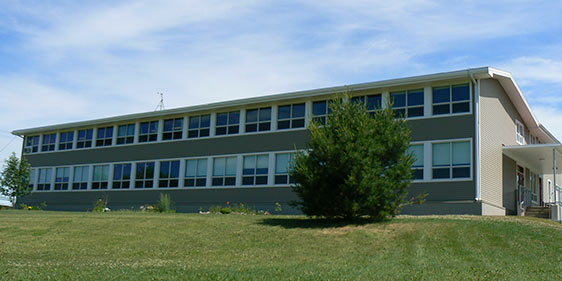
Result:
x=524 y=197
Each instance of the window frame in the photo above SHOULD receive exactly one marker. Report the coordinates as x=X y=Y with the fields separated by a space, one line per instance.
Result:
x=289 y=180
x=32 y=144
x=62 y=184
x=364 y=99
x=151 y=135
x=121 y=182
x=451 y=165
x=253 y=176
x=202 y=132
x=48 y=175
x=259 y=123
x=80 y=185
x=225 y=178
x=418 y=167
x=87 y=140
x=48 y=142
x=66 y=140
x=291 y=119
x=198 y=180
x=101 y=183
x=175 y=132
x=169 y=181
x=406 y=106
x=451 y=103
x=232 y=125
x=520 y=136
x=147 y=182
x=127 y=138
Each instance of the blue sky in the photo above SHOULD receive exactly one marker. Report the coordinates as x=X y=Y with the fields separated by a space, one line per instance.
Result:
x=63 y=61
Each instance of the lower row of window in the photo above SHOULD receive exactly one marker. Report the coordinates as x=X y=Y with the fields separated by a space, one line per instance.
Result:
x=255 y=172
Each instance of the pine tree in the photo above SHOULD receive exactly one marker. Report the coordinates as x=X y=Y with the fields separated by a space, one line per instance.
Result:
x=14 y=178
x=357 y=165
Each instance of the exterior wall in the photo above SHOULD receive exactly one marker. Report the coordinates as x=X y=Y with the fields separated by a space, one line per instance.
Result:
x=444 y=196
x=546 y=178
x=497 y=127
x=509 y=167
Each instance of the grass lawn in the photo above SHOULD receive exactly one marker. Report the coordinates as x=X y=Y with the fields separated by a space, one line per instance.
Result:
x=37 y=245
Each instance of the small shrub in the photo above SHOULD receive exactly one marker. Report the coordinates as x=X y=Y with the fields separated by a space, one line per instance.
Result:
x=100 y=206
x=164 y=205
x=239 y=209
x=43 y=205
x=278 y=207
x=226 y=210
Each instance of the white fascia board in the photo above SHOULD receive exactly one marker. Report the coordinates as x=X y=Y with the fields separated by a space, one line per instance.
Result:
x=478 y=72
x=521 y=105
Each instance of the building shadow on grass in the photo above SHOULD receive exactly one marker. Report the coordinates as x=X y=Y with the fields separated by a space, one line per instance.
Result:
x=291 y=223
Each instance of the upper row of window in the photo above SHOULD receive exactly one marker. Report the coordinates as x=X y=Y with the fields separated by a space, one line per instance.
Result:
x=407 y=104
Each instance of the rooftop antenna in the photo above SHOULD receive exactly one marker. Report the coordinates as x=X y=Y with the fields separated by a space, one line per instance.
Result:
x=160 y=105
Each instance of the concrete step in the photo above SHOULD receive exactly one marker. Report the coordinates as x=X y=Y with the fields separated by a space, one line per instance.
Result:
x=538 y=212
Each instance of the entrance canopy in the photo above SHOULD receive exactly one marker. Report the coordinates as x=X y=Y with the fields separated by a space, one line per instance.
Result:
x=540 y=157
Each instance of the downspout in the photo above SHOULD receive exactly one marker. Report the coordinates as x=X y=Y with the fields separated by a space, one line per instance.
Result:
x=477 y=133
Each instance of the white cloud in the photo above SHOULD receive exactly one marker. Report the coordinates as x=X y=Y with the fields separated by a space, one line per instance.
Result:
x=551 y=118
x=535 y=69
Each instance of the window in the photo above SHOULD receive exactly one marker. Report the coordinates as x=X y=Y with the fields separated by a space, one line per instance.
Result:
x=199 y=126
x=451 y=99
x=105 y=136
x=520 y=132
x=101 y=177
x=173 y=129
x=145 y=175
x=255 y=169
x=62 y=178
x=320 y=111
x=126 y=134
x=451 y=160
x=407 y=103
x=417 y=168
x=258 y=120
x=195 y=172
x=148 y=131
x=224 y=171
x=49 y=142
x=44 y=180
x=283 y=167
x=290 y=116
x=227 y=123
x=372 y=102
x=121 y=176
x=84 y=138
x=65 y=140
x=31 y=144
x=80 y=178
x=32 y=178
x=169 y=174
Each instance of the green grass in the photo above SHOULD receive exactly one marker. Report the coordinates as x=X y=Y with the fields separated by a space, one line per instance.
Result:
x=37 y=245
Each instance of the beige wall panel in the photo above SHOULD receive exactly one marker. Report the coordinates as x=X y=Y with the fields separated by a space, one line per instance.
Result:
x=497 y=128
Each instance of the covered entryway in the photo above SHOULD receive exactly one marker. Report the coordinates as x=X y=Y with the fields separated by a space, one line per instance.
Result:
x=536 y=165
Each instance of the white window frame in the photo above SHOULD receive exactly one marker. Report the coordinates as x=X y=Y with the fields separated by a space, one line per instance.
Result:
x=121 y=181
x=169 y=179
x=450 y=178
x=519 y=134
x=62 y=183
x=197 y=178
x=99 y=184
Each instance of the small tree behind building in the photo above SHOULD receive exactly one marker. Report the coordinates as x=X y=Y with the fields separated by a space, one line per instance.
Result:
x=14 y=178
x=357 y=165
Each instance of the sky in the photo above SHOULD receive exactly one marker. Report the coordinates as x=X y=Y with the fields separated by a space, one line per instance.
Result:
x=65 y=61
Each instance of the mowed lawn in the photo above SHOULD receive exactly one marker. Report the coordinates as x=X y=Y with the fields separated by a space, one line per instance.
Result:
x=37 y=245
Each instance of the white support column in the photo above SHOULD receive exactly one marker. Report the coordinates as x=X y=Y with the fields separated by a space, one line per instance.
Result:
x=307 y=113
x=40 y=148
x=213 y=124
x=184 y=128
x=53 y=176
x=114 y=135
x=385 y=99
x=239 y=169
x=74 y=139
x=57 y=141
x=209 y=180
x=90 y=176
x=94 y=138
x=156 y=174
x=110 y=174
x=133 y=175
x=70 y=177
x=181 y=174
x=271 y=169
x=427 y=101
x=160 y=130
x=137 y=130
x=242 y=126
x=427 y=161
x=34 y=179
x=274 y=109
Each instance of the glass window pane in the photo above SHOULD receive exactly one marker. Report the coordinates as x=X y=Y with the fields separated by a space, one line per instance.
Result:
x=218 y=167
x=252 y=115
x=281 y=163
x=374 y=102
x=284 y=112
x=249 y=162
x=205 y=121
x=417 y=151
x=168 y=125
x=194 y=122
x=461 y=92
x=175 y=169
x=298 y=110
x=441 y=109
x=441 y=94
x=117 y=171
x=262 y=161
x=398 y=99
x=461 y=153
x=441 y=154
x=230 y=166
x=190 y=168
x=461 y=107
x=131 y=130
x=319 y=108
x=202 y=167
x=265 y=114
x=165 y=169
x=234 y=117
x=415 y=97
x=222 y=119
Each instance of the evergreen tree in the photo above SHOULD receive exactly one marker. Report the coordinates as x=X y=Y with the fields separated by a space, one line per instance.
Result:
x=14 y=178
x=357 y=165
